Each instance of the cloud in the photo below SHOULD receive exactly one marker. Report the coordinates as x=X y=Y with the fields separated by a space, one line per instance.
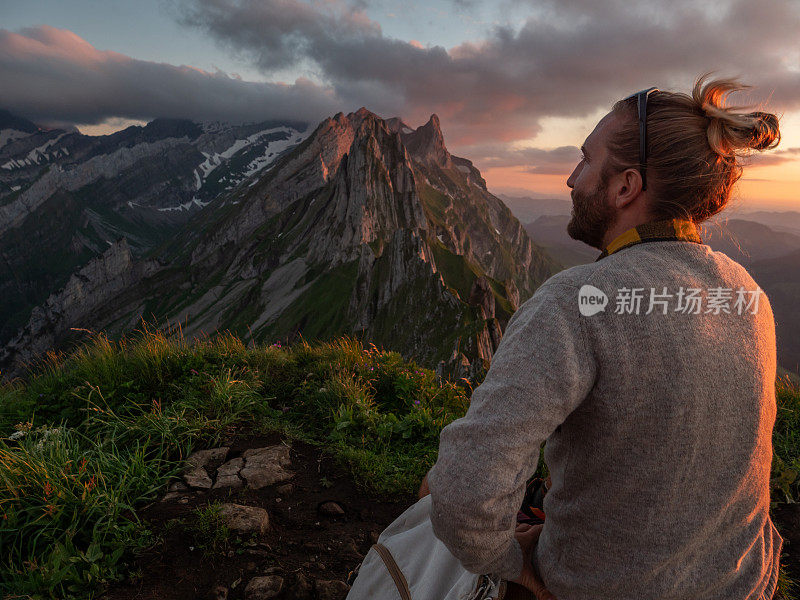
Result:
x=539 y=161
x=567 y=59
x=53 y=75
x=773 y=158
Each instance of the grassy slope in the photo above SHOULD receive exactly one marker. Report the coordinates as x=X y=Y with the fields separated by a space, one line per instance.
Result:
x=106 y=428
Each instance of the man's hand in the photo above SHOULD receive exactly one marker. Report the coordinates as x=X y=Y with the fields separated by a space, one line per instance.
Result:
x=527 y=536
x=423 y=488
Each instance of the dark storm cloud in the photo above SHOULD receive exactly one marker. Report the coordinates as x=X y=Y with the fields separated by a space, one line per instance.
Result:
x=567 y=59
x=52 y=75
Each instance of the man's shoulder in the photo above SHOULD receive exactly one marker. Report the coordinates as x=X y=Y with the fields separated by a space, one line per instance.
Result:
x=565 y=285
x=574 y=277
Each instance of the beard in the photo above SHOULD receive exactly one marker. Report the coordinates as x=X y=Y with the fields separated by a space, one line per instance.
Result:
x=592 y=216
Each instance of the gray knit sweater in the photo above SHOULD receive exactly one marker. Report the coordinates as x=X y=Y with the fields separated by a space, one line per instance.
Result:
x=658 y=431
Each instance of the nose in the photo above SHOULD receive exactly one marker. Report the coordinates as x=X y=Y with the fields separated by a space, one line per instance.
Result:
x=571 y=179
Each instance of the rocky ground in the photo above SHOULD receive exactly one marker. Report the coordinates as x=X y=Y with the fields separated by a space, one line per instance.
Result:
x=302 y=525
x=298 y=527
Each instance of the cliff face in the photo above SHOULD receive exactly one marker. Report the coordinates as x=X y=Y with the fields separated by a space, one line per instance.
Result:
x=96 y=284
x=367 y=227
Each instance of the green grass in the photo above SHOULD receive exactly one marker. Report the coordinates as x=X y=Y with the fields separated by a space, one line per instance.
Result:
x=207 y=529
x=100 y=433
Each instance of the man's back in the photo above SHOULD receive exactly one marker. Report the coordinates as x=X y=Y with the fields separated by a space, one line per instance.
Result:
x=660 y=477
x=657 y=426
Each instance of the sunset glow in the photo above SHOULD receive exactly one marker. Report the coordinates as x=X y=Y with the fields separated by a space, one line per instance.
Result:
x=511 y=83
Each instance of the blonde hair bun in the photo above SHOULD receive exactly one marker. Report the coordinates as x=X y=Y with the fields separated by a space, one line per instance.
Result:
x=730 y=132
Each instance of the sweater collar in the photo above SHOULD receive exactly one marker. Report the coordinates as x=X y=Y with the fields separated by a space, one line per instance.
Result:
x=654 y=231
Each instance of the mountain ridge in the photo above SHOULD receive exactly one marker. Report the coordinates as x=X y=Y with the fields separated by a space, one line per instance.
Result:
x=365 y=226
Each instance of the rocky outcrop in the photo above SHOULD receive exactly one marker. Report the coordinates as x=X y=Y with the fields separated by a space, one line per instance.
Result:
x=98 y=283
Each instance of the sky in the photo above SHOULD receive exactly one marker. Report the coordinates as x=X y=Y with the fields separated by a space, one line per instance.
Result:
x=517 y=84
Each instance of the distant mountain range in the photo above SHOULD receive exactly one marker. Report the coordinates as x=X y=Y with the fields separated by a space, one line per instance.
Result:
x=358 y=225
x=66 y=197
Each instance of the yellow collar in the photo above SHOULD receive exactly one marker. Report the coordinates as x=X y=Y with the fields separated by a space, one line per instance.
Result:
x=654 y=231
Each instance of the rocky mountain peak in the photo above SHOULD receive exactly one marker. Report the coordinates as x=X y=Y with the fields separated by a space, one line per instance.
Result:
x=397 y=125
x=10 y=121
x=427 y=143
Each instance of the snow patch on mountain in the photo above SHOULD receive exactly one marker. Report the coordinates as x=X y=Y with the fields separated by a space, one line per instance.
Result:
x=186 y=205
x=38 y=155
x=272 y=150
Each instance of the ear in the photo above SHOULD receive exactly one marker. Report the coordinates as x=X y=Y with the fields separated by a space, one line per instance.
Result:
x=627 y=187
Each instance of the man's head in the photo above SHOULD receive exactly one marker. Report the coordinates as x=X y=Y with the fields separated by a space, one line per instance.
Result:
x=594 y=209
x=693 y=143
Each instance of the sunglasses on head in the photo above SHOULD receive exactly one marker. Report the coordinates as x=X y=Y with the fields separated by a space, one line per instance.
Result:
x=641 y=102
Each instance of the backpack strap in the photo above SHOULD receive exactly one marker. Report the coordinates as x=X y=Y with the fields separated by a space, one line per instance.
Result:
x=394 y=571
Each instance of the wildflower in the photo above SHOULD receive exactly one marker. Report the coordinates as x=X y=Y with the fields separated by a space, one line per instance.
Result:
x=17 y=435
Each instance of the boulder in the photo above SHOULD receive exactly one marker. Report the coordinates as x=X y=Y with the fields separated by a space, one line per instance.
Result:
x=265 y=466
x=228 y=475
x=245 y=519
x=263 y=588
x=331 y=589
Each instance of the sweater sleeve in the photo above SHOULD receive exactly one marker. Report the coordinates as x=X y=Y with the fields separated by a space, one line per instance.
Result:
x=542 y=370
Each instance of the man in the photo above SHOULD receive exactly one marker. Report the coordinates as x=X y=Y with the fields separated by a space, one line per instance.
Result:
x=650 y=374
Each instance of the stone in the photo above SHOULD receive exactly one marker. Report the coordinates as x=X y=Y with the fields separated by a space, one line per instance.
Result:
x=228 y=475
x=263 y=588
x=233 y=482
x=303 y=588
x=265 y=466
x=331 y=509
x=198 y=478
x=218 y=592
x=177 y=486
x=172 y=495
x=207 y=459
x=232 y=467
x=331 y=589
x=285 y=489
x=269 y=454
x=245 y=519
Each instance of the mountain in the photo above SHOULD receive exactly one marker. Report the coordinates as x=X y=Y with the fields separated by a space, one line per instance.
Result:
x=551 y=232
x=65 y=198
x=528 y=209
x=368 y=226
x=748 y=241
x=779 y=220
x=779 y=277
